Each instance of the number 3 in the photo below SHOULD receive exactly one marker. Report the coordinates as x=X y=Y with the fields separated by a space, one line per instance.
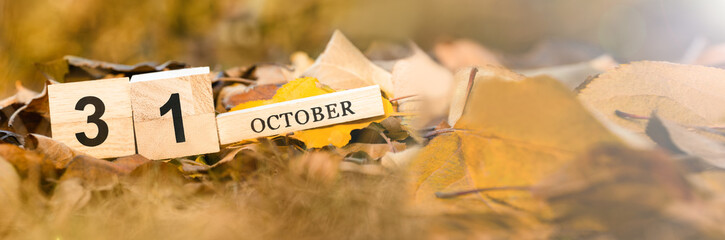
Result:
x=94 y=118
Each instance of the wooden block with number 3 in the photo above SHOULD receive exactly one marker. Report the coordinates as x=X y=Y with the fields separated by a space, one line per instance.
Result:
x=173 y=113
x=93 y=117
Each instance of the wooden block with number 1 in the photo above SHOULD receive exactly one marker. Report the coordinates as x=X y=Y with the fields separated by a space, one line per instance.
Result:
x=93 y=117
x=173 y=113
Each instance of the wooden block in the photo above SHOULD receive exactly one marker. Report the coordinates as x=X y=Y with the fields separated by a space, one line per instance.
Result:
x=93 y=117
x=173 y=113
x=300 y=114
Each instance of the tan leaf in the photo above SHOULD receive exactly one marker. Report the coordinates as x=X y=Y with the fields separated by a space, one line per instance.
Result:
x=251 y=93
x=418 y=75
x=679 y=140
x=68 y=196
x=685 y=94
x=343 y=66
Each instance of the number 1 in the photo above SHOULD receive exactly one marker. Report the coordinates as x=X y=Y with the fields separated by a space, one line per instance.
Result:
x=174 y=105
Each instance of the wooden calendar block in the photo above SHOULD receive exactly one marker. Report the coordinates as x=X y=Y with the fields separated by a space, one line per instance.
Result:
x=300 y=114
x=93 y=117
x=173 y=113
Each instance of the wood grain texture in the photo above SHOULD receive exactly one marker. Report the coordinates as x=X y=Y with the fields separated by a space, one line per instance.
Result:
x=66 y=121
x=155 y=136
x=237 y=126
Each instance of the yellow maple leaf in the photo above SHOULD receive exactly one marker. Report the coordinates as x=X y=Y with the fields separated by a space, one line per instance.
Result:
x=338 y=134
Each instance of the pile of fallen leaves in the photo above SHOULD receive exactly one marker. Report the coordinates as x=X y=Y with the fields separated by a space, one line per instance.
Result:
x=466 y=149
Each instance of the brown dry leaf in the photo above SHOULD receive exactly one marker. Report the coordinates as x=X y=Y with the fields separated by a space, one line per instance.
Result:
x=68 y=197
x=613 y=192
x=374 y=150
x=9 y=194
x=251 y=93
x=129 y=163
x=679 y=140
x=573 y=75
x=418 y=75
x=72 y=69
x=342 y=66
x=318 y=166
x=34 y=117
x=513 y=134
x=27 y=162
x=95 y=173
x=57 y=152
x=462 y=53
x=686 y=94
x=467 y=79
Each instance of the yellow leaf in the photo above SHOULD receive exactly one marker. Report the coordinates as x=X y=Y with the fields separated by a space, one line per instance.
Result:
x=338 y=134
x=512 y=134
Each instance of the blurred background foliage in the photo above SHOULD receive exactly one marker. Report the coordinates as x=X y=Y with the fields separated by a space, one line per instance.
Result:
x=227 y=33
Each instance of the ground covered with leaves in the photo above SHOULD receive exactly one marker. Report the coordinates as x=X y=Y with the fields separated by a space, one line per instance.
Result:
x=467 y=149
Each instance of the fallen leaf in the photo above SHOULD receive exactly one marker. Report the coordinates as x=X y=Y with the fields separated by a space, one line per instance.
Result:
x=342 y=66
x=418 y=75
x=462 y=53
x=72 y=69
x=338 y=135
x=129 y=163
x=9 y=194
x=466 y=79
x=686 y=94
x=679 y=140
x=57 y=152
x=34 y=117
x=301 y=62
x=95 y=173
x=251 y=93
x=573 y=75
x=512 y=134
x=619 y=193
x=68 y=197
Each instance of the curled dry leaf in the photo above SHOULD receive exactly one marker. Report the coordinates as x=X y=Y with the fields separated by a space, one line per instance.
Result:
x=462 y=53
x=57 y=152
x=34 y=117
x=496 y=143
x=342 y=66
x=685 y=94
x=679 y=140
x=418 y=75
x=95 y=173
